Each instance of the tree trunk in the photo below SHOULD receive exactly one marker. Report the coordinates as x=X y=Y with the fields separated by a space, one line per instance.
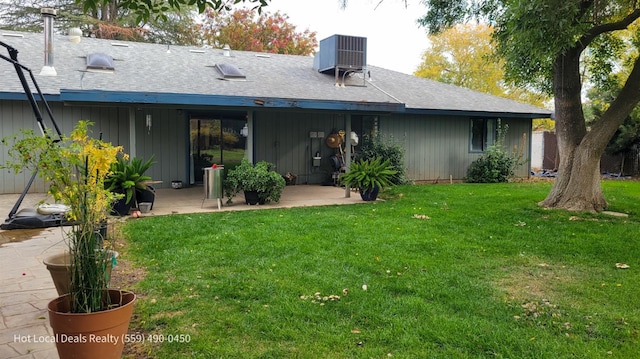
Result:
x=577 y=187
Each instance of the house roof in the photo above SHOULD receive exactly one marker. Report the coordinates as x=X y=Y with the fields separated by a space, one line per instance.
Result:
x=180 y=75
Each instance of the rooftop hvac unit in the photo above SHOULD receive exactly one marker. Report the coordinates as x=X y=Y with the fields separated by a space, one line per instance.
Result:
x=342 y=53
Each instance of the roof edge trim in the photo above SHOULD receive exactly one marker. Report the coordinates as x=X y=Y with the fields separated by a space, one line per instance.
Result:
x=98 y=96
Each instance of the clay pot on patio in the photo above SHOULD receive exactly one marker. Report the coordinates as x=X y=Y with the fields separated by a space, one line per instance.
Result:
x=98 y=335
x=59 y=267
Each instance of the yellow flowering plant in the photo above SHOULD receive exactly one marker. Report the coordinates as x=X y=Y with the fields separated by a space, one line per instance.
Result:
x=75 y=167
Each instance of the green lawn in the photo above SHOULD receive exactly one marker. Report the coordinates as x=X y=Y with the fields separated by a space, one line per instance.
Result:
x=450 y=271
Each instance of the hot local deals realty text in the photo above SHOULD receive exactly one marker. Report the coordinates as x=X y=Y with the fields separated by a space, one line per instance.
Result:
x=68 y=339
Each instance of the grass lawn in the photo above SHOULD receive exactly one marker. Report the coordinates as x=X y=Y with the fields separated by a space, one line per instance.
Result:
x=435 y=271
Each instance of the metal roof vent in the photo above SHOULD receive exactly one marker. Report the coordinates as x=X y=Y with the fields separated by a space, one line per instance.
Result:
x=48 y=15
x=340 y=53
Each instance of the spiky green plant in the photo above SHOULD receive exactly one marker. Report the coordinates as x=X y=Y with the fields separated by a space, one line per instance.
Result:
x=368 y=174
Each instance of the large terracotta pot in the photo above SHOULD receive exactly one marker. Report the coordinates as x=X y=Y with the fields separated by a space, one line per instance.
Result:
x=59 y=267
x=98 y=335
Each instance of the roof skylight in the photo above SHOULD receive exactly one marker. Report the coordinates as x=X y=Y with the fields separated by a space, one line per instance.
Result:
x=100 y=62
x=230 y=72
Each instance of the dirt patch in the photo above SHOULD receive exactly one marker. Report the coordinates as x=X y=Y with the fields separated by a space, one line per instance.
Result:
x=124 y=276
x=536 y=290
x=535 y=280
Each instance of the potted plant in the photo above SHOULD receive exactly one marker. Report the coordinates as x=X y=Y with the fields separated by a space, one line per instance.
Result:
x=260 y=182
x=75 y=168
x=127 y=177
x=369 y=176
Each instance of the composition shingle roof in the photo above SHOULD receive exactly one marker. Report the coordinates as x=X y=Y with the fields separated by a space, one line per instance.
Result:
x=180 y=73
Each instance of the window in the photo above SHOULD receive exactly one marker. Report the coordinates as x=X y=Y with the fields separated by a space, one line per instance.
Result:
x=482 y=134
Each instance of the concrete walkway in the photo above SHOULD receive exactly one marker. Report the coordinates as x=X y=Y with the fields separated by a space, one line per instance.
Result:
x=26 y=289
x=26 y=286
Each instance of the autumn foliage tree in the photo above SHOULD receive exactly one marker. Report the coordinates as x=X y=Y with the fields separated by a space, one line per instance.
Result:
x=267 y=32
x=464 y=55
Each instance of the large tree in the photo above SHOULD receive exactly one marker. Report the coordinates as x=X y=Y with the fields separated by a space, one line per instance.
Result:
x=464 y=56
x=543 y=43
x=169 y=21
x=145 y=9
x=109 y=21
x=268 y=32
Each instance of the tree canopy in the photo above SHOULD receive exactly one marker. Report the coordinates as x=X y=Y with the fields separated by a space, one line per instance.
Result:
x=145 y=9
x=269 y=32
x=543 y=43
x=241 y=29
x=464 y=56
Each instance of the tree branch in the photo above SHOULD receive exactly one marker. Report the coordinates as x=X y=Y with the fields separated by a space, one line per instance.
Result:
x=627 y=99
x=601 y=29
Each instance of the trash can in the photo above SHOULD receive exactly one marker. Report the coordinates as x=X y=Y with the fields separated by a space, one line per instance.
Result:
x=213 y=182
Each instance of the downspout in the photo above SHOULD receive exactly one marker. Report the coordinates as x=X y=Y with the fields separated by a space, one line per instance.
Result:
x=48 y=15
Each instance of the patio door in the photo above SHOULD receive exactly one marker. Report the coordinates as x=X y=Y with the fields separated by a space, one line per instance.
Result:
x=215 y=140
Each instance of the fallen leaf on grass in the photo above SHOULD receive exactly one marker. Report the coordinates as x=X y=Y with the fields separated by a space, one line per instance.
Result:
x=421 y=216
x=355 y=331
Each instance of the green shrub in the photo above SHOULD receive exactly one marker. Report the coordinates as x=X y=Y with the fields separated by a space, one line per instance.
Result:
x=260 y=177
x=495 y=165
x=377 y=146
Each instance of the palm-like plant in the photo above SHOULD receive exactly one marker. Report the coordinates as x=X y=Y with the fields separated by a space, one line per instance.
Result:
x=367 y=175
x=127 y=174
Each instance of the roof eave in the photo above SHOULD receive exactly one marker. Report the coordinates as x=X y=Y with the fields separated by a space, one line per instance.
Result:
x=99 y=96
x=20 y=96
x=471 y=113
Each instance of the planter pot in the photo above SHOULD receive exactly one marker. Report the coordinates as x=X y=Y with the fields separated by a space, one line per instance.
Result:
x=252 y=198
x=147 y=195
x=59 y=267
x=370 y=194
x=97 y=335
x=121 y=208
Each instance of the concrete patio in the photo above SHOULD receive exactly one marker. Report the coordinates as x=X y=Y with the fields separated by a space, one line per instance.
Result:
x=27 y=287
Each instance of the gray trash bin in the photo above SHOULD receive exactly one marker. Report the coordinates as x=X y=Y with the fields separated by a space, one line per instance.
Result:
x=213 y=182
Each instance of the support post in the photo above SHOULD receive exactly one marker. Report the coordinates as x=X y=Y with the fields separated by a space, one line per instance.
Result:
x=347 y=145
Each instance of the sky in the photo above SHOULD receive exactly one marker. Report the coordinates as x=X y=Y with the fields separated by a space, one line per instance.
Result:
x=394 y=40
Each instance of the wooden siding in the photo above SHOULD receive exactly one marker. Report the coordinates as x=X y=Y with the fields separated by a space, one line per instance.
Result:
x=166 y=141
x=435 y=146
x=15 y=116
x=284 y=139
x=167 y=138
x=438 y=147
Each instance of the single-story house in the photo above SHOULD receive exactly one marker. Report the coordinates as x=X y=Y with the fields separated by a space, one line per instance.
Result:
x=194 y=106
